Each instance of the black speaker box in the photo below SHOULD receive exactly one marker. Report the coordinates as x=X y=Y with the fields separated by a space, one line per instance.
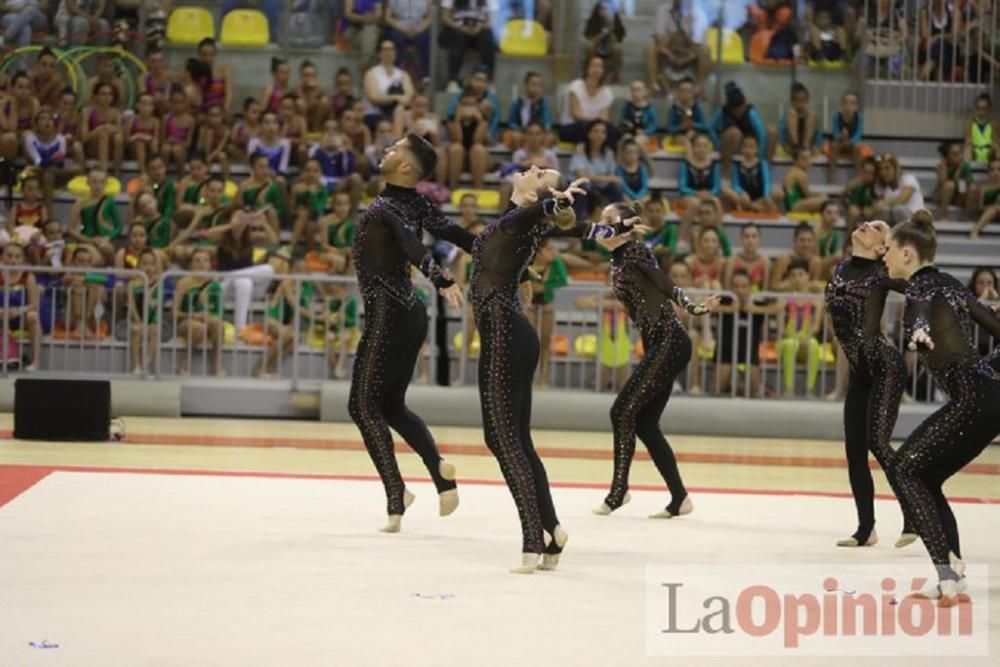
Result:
x=62 y=409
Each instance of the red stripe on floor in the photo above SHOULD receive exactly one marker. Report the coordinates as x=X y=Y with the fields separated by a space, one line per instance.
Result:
x=15 y=480
x=478 y=482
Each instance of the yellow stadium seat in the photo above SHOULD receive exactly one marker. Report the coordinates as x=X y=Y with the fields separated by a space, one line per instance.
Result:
x=670 y=146
x=486 y=198
x=245 y=27
x=190 y=25
x=803 y=217
x=732 y=46
x=78 y=187
x=585 y=346
x=523 y=38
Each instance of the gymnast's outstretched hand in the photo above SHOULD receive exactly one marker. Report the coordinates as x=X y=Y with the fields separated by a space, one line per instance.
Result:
x=575 y=188
x=921 y=337
x=708 y=306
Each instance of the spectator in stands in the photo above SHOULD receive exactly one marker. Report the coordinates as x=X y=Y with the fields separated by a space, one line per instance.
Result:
x=270 y=144
x=83 y=22
x=101 y=130
x=262 y=192
x=213 y=139
x=685 y=117
x=343 y=92
x=245 y=129
x=198 y=313
x=469 y=133
x=677 y=51
x=160 y=183
x=859 y=193
x=828 y=42
x=47 y=151
x=30 y=211
x=408 y=25
x=884 y=35
x=846 y=134
x=190 y=186
x=314 y=103
x=20 y=19
x=750 y=180
x=733 y=121
x=19 y=308
x=157 y=81
x=47 y=79
x=955 y=186
x=107 y=72
x=293 y=128
x=797 y=195
x=285 y=299
x=142 y=130
x=67 y=120
x=479 y=85
x=707 y=261
x=17 y=116
x=827 y=236
x=337 y=237
x=799 y=125
x=532 y=152
x=280 y=85
x=604 y=34
x=662 y=237
x=178 y=130
x=897 y=193
x=217 y=88
x=465 y=26
x=94 y=219
x=360 y=26
x=802 y=324
x=308 y=197
x=633 y=173
x=937 y=26
x=982 y=133
x=144 y=314
x=530 y=107
x=638 y=115
x=699 y=178
x=741 y=331
x=388 y=89
x=207 y=213
x=984 y=284
x=804 y=249
x=127 y=256
x=989 y=198
x=358 y=135
x=749 y=261
x=337 y=160
x=587 y=100
x=708 y=213
x=595 y=161
x=384 y=138
x=159 y=228
x=698 y=328
x=549 y=274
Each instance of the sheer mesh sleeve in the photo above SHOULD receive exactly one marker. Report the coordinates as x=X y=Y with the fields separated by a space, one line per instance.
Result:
x=415 y=251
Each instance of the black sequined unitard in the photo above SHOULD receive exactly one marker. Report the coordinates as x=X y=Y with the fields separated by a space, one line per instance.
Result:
x=648 y=295
x=855 y=299
x=956 y=433
x=386 y=245
x=509 y=355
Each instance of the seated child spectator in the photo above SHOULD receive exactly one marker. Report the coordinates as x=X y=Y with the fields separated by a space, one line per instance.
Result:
x=269 y=143
x=604 y=34
x=699 y=177
x=989 y=198
x=799 y=125
x=309 y=196
x=127 y=256
x=95 y=220
x=46 y=151
x=67 y=122
x=263 y=192
x=19 y=308
x=469 y=132
x=159 y=228
x=804 y=250
x=343 y=93
x=160 y=183
x=797 y=196
x=198 y=313
x=955 y=186
x=213 y=139
x=633 y=173
x=707 y=262
x=314 y=102
x=244 y=130
x=18 y=113
x=741 y=331
x=142 y=130
x=595 y=161
x=190 y=186
x=685 y=118
x=846 y=134
x=286 y=298
x=101 y=129
x=359 y=138
x=107 y=73
x=178 y=130
x=489 y=108
x=750 y=181
x=708 y=214
x=982 y=133
x=337 y=238
x=532 y=152
x=420 y=120
x=638 y=114
x=802 y=324
x=662 y=237
x=30 y=211
x=336 y=161
x=48 y=247
x=530 y=107
x=827 y=236
x=384 y=138
x=828 y=42
x=84 y=292
x=280 y=85
x=293 y=127
x=144 y=328
x=698 y=328
x=749 y=260
x=860 y=195
x=550 y=274
x=733 y=121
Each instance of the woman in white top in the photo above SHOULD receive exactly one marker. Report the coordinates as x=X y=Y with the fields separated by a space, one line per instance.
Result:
x=898 y=194
x=587 y=100
x=388 y=89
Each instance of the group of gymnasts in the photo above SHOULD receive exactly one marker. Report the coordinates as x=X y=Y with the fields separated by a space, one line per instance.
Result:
x=939 y=320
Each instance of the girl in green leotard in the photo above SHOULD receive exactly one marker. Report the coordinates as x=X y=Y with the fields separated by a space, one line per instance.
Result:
x=95 y=219
x=262 y=192
x=158 y=228
x=198 y=314
x=337 y=238
x=309 y=195
x=289 y=297
x=144 y=312
x=797 y=196
x=189 y=187
x=989 y=197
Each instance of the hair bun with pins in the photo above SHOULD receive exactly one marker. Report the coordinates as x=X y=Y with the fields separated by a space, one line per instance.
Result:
x=923 y=219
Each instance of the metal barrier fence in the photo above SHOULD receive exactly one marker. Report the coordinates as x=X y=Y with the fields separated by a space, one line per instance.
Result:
x=305 y=329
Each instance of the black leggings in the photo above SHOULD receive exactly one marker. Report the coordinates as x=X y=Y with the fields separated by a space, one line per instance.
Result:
x=507 y=362
x=387 y=355
x=871 y=407
x=637 y=411
x=941 y=446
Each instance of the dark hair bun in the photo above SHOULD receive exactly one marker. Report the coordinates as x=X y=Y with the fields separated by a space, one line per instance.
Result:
x=923 y=220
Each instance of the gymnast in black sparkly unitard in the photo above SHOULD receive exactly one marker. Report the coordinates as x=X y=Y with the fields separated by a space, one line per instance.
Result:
x=855 y=299
x=509 y=351
x=648 y=295
x=388 y=242
x=940 y=320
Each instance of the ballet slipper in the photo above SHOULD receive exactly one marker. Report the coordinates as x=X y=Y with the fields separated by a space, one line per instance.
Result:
x=947 y=593
x=686 y=508
x=447 y=502
x=604 y=509
x=905 y=540
x=393 y=524
x=446 y=470
x=853 y=541
x=550 y=557
x=529 y=563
